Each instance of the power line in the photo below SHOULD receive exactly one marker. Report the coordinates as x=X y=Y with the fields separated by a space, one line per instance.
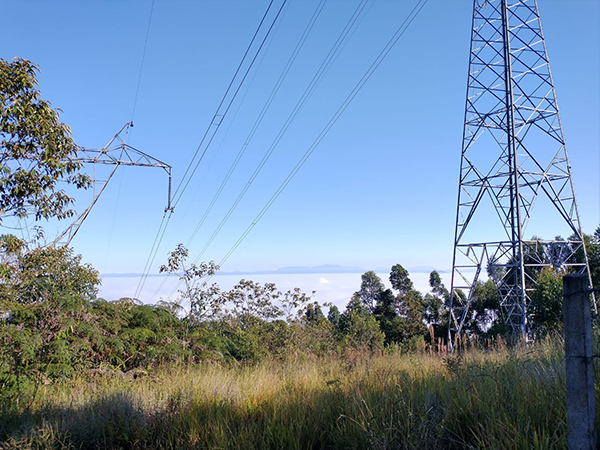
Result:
x=220 y=117
x=265 y=108
x=154 y=250
x=413 y=14
x=114 y=218
x=139 y=81
x=214 y=125
x=357 y=88
x=199 y=185
x=219 y=114
x=137 y=90
x=313 y=84
x=262 y=114
x=290 y=119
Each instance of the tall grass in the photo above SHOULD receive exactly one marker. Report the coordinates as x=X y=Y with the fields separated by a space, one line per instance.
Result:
x=508 y=397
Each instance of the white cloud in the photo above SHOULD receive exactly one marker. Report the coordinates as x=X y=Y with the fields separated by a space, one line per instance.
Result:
x=323 y=280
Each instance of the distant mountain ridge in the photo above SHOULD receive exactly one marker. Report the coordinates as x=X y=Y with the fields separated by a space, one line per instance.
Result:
x=293 y=270
x=325 y=268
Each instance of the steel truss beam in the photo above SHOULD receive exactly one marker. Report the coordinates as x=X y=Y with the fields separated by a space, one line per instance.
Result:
x=116 y=153
x=513 y=155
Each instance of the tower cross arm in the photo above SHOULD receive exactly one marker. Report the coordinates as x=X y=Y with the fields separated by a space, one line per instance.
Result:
x=116 y=153
x=121 y=154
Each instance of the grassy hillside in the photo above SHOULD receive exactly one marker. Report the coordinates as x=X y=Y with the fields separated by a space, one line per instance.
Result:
x=499 y=398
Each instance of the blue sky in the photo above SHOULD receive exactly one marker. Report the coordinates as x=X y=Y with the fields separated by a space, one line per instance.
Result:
x=381 y=187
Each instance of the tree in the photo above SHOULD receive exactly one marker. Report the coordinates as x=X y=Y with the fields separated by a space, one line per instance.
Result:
x=400 y=280
x=594 y=258
x=38 y=274
x=294 y=302
x=409 y=305
x=386 y=305
x=485 y=314
x=250 y=300
x=437 y=287
x=370 y=288
x=400 y=315
x=313 y=313
x=435 y=305
x=410 y=316
x=545 y=311
x=592 y=248
x=43 y=293
x=387 y=316
x=205 y=301
x=36 y=149
x=358 y=328
x=334 y=316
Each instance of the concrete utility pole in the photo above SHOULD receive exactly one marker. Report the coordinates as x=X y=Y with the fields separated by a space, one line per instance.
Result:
x=581 y=408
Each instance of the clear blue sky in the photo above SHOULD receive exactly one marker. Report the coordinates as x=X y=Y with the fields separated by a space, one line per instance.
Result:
x=381 y=187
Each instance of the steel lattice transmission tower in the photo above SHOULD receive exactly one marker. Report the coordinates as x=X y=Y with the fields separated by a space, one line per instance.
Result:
x=116 y=153
x=513 y=158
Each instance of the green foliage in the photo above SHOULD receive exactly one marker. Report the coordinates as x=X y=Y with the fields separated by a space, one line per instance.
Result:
x=593 y=252
x=249 y=300
x=397 y=329
x=35 y=148
x=42 y=294
x=334 y=316
x=544 y=283
x=296 y=303
x=370 y=288
x=410 y=322
x=386 y=305
x=44 y=273
x=359 y=329
x=435 y=313
x=494 y=399
x=53 y=328
x=545 y=312
x=401 y=315
x=485 y=311
x=243 y=324
x=313 y=313
x=400 y=280
x=205 y=301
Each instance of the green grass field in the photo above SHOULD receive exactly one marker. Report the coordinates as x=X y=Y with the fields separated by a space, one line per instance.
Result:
x=503 y=398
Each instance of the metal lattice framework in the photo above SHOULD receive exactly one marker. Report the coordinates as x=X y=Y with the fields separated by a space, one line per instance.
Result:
x=513 y=158
x=116 y=153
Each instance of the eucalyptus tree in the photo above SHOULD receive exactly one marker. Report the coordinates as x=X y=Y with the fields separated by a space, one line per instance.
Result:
x=371 y=287
x=36 y=148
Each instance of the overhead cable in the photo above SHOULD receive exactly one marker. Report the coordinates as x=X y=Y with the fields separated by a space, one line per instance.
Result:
x=137 y=90
x=360 y=84
x=257 y=123
x=290 y=119
x=210 y=132
x=401 y=30
x=261 y=116
x=339 y=43
x=224 y=107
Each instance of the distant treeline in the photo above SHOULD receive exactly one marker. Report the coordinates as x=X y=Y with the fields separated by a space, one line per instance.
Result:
x=53 y=326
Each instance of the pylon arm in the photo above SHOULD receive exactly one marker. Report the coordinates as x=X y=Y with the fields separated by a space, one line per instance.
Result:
x=122 y=154
x=116 y=153
x=72 y=229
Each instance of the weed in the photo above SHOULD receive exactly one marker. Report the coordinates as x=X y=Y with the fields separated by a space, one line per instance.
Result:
x=503 y=397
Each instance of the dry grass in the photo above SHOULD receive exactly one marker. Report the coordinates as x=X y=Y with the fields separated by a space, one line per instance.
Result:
x=501 y=398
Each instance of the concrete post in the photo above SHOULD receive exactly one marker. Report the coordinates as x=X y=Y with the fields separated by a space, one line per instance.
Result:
x=581 y=409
